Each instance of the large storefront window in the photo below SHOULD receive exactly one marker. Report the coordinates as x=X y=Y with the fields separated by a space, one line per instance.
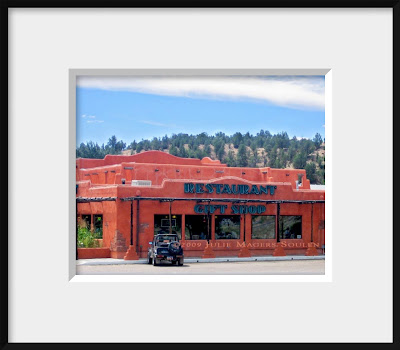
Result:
x=263 y=227
x=290 y=227
x=227 y=227
x=161 y=224
x=197 y=227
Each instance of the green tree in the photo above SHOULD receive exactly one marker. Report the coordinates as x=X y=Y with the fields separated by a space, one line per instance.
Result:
x=156 y=144
x=115 y=147
x=317 y=140
x=173 y=150
x=241 y=156
x=299 y=160
x=182 y=152
x=207 y=150
x=165 y=142
x=253 y=146
x=283 y=158
x=321 y=176
x=264 y=158
x=252 y=161
x=133 y=145
x=237 y=139
x=219 y=148
x=311 y=171
x=139 y=147
x=230 y=159
x=272 y=157
x=90 y=150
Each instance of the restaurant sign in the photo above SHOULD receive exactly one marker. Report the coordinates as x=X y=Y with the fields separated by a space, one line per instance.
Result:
x=228 y=189
x=200 y=188
x=235 y=209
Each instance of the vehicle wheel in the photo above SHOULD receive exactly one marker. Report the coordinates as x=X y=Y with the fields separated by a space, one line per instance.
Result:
x=180 y=263
x=155 y=262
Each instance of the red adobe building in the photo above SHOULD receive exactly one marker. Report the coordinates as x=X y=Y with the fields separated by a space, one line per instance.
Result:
x=216 y=210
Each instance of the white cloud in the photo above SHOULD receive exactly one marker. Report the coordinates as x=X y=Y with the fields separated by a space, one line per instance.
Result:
x=91 y=119
x=155 y=123
x=289 y=91
x=94 y=121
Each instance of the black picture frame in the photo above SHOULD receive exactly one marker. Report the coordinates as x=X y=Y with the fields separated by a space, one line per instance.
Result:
x=8 y=4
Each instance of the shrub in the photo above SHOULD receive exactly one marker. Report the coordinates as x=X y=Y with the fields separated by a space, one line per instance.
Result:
x=86 y=239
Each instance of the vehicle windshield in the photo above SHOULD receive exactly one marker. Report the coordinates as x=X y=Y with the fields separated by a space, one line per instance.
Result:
x=166 y=238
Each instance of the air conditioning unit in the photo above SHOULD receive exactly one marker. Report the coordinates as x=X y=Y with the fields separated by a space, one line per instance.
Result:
x=141 y=183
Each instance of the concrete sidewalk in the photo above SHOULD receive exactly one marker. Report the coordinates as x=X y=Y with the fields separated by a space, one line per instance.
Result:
x=109 y=261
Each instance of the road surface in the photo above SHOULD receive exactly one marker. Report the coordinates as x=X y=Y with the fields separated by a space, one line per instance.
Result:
x=289 y=267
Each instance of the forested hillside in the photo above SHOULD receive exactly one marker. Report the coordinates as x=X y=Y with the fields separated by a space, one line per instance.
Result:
x=242 y=150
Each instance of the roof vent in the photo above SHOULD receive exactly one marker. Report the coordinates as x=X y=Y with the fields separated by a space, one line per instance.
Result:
x=141 y=183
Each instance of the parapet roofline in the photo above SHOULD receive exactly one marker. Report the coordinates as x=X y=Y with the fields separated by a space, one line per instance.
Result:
x=148 y=156
x=219 y=166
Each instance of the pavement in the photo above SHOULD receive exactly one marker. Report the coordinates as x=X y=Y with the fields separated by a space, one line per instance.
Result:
x=109 y=261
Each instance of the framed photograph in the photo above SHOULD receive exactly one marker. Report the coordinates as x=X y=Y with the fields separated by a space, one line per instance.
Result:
x=44 y=297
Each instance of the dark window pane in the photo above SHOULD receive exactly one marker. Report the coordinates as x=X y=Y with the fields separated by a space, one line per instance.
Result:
x=98 y=226
x=263 y=227
x=290 y=227
x=87 y=220
x=227 y=227
x=197 y=227
x=161 y=224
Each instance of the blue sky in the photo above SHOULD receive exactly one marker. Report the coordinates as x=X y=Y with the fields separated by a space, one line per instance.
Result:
x=136 y=108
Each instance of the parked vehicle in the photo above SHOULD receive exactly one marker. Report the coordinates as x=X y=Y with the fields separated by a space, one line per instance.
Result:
x=165 y=247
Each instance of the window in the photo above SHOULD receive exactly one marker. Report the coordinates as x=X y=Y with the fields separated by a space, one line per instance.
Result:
x=197 y=227
x=263 y=226
x=161 y=224
x=98 y=226
x=165 y=223
x=227 y=227
x=290 y=227
x=87 y=220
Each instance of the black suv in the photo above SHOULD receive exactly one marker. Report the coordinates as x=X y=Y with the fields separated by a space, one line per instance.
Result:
x=165 y=247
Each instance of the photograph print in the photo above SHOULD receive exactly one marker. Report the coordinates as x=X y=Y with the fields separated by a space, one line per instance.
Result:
x=200 y=174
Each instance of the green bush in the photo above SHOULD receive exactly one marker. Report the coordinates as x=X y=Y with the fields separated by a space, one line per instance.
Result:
x=86 y=239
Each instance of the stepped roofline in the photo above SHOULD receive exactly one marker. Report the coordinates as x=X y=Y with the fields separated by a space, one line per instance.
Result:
x=155 y=157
